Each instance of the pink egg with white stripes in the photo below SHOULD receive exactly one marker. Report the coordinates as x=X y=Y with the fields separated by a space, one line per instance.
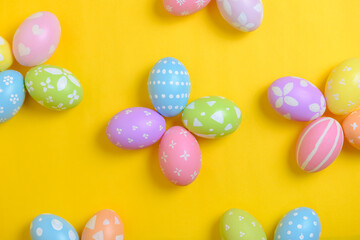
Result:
x=135 y=128
x=36 y=39
x=319 y=144
x=179 y=156
x=244 y=15
x=184 y=7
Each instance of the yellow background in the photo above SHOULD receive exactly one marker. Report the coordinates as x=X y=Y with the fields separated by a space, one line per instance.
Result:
x=63 y=163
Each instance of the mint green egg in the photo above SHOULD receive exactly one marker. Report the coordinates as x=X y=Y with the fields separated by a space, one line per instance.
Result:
x=237 y=224
x=212 y=117
x=53 y=87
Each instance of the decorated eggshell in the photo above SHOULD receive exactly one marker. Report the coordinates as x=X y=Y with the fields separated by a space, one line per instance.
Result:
x=184 y=7
x=244 y=15
x=53 y=87
x=179 y=156
x=104 y=225
x=351 y=126
x=212 y=117
x=319 y=144
x=49 y=226
x=6 y=59
x=136 y=128
x=36 y=39
x=342 y=89
x=12 y=94
x=301 y=223
x=236 y=224
x=296 y=99
x=169 y=86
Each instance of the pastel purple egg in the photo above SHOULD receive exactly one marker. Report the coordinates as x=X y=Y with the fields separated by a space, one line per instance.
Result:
x=296 y=99
x=136 y=128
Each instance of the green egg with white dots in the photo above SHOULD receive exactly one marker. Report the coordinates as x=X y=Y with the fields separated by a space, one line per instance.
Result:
x=212 y=117
x=53 y=87
x=237 y=224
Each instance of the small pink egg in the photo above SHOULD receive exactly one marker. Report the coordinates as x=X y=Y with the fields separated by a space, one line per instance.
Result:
x=179 y=156
x=319 y=144
x=36 y=39
x=184 y=7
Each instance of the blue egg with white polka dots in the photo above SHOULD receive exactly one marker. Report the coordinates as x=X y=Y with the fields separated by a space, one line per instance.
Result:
x=52 y=227
x=12 y=94
x=299 y=224
x=169 y=86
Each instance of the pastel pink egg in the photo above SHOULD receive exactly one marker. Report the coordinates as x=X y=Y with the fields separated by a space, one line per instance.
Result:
x=179 y=156
x=319 y=144
x=184 y=7
x=36 y=39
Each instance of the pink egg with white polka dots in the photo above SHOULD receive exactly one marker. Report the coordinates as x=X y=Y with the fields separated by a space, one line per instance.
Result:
x=36 y=39
x=179 y=156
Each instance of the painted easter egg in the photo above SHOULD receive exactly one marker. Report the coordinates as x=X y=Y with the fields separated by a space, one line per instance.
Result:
x=301 y=223
x=12 y=94
x=212 y=117
x=237 y=224
x=49 y=226
x=169 y=86
x=179 y=156
x=104 y=225
x=136 y=128
x=319 y=144
x=6 y=59
x=36 y=39
x=342 y=90
x=244 y=15
x=184 y=7
x=296 y=99
x=53 y=87
x=351 y=126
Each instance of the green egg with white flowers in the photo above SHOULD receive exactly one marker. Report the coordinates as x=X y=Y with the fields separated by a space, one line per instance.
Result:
x=212 y=117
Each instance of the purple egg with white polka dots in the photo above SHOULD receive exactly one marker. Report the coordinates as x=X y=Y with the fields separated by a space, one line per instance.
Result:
x=136 y=128
x=296 y=99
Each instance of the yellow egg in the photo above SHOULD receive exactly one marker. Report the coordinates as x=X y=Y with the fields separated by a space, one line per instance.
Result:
x=6 y=58
x=342 y=89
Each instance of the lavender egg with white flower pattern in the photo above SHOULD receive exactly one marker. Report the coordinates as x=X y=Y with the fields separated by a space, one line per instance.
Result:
x=296 y=99
x=136 y=128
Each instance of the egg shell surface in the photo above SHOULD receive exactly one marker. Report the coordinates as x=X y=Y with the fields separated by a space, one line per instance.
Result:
x=36 y=39
x=301 y=223
x=184 y=7
x=179 y=156
x=244 y=15
x=53 y=87
x=169 y=86
x=212 y=117
x=342 y=90
x=296 y=99
x=12 y=94
x=319 y=144
x=6 y=58
x=104 y=225
x=136 y=128
x=237 y=224
x=351 y=126
x=52 y=227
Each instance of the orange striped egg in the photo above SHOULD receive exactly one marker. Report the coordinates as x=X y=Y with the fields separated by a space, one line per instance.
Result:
x=104 y=225
x=351 y=127
x=319 y=144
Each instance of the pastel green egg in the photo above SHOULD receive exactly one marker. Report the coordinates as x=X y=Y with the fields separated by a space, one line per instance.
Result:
x=212 y=117
x=237 y=224
x=6 y=58
x=53 y=87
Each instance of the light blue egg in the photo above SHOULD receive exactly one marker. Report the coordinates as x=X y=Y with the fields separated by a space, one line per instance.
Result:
x=52 y=227
x=299 y=224
x=169 y=86
x=12 y=94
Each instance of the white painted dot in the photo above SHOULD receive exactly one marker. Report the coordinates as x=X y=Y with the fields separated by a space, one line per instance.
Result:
x=177 y=83
x=186 y=73
x=165 y=62
x=158 y=71
x=299 y=226
x=153 y=71
x=72 y=235
x=169 y=107
x=171 y=96
x=155 y=96
x=278 y=237
x=288 y=232
x=311 y=235
x=170 y=71
x=163 y=83
x=176 y=72
x=186 y=83
x=290 y=222
x=202 y=114
x=164 y=71
x=181 y=72
x=158 y=107
x=211 y=129
x=158 y=82
x=56 y=224
x=39 y=232
x=163 y=107
x=154 y=82
x=295 y=214
x=171 y=83
x=163 y=95
x=173 y=62
x=305 y=218
x=40 y=219
x=315 y=223
x=313 y=213
x=227 y=109
x=181 y=107
x=182 y=95
x=186 y=95
x=182 y=83
x=176 y=107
